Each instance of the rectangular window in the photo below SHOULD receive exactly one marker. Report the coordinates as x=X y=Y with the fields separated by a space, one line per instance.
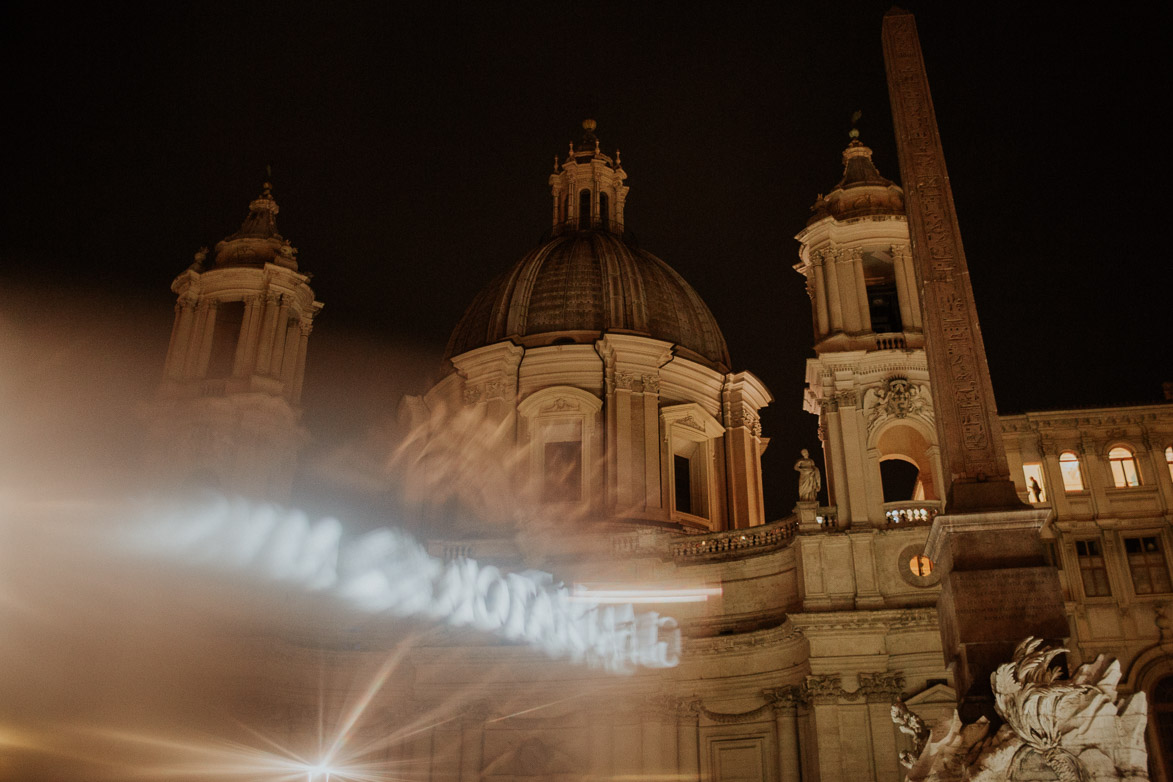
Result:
x=682 y=466
x=562 y=478
x=1092 y=569
x=1146 y=561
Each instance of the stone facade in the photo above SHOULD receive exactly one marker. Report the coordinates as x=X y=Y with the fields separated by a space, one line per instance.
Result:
x=623 y=459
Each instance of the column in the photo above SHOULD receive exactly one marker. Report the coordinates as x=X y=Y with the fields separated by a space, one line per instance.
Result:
x=246 y=349
x=265 y=337
x=904 y=293
x=881 y=690
x=837 y=491
x=290 y=354
x=823 y=694
x=688 y=744
x=820 y=293
x=785 y=703
x=180 y=338
x=849 y=298
x=280 y=331
x=853 y=432
x=304 y=329
x=832 y=290
x=650 y=400
x=208 y=326
x=861 y=289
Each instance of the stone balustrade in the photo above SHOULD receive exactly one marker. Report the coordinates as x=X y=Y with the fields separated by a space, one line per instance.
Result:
x=911 y=513
x=776 y=534
x=893 y=341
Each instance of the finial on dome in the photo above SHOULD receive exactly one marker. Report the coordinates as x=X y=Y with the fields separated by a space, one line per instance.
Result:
x=589 y=125
x=555 y=164
x=616 y=156
x=854 y=132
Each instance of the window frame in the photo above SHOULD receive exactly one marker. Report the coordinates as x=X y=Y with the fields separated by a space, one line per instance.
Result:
x=546 y=417
x=1086 y=563
x=1121 y=480
x=1063 y=474
x=690 y=432
x=1152 y=562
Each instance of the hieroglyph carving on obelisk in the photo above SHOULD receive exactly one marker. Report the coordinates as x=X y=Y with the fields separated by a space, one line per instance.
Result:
x=964 y=398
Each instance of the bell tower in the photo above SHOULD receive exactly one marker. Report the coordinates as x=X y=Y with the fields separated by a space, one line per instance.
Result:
x=226 y=415
x=869 y=382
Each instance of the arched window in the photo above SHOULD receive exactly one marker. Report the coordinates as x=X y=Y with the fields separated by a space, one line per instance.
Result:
x=1069 y=469
x=1169 y=459
x=584 y=209
x=899 y=479
x=604 y=214
x=1123 y=464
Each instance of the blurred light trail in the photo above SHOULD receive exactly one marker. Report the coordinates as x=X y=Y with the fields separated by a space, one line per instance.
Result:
x=581 y=593
x=386 y=572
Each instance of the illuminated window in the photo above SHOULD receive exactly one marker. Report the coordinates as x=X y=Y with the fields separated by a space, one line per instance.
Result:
x=1123 y=467
x=584 y=209
x=1036 y=486
x=1150 y=574
x=1069 y=469
x=920 y=565
x=1092 y=568
x=1169 y=459
x=604 y=213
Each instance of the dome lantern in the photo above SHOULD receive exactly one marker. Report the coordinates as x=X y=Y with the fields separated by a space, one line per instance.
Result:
x=587 y=188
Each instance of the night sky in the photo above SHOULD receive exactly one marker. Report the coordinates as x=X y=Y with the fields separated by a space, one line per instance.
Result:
x=410 y=150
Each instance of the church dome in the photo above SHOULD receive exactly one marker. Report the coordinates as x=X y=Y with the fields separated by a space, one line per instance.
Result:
x=583 y=283
x=589 y=279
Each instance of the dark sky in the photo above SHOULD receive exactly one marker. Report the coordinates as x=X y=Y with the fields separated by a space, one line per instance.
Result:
x=410 y=150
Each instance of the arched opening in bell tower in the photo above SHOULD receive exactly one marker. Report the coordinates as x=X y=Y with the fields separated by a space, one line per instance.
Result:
x=883 y=301
x=906 y=464
x=225 y=335
x=604 y=215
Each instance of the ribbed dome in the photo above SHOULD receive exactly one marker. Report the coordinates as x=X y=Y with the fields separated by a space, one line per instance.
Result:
x=581 y=284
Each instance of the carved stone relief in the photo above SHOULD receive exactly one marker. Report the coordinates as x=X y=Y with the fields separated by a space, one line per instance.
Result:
x=897 y=397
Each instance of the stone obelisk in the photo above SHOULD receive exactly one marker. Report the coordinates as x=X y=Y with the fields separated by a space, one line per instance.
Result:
x=996 y=585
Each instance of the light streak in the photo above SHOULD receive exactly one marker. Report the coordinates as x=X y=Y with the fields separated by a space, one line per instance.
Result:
x=586 y=594
x=386 y=572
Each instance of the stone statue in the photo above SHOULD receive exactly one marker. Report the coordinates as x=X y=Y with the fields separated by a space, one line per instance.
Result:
x=810 y=480
x=1072 y=730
